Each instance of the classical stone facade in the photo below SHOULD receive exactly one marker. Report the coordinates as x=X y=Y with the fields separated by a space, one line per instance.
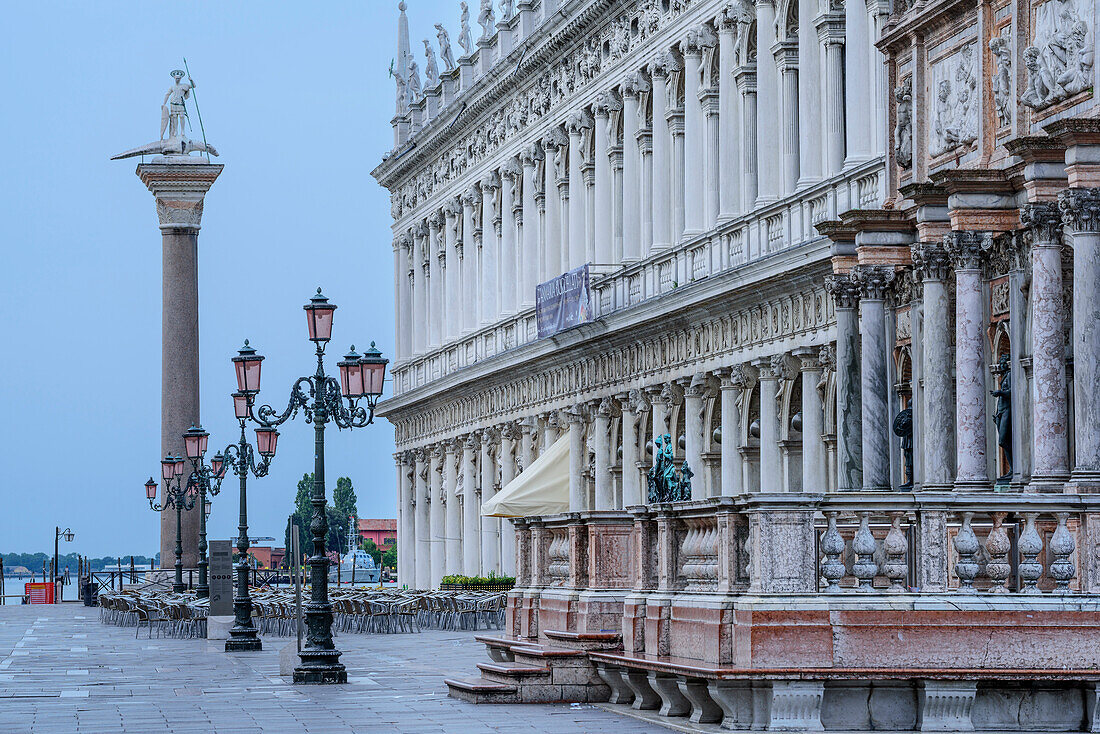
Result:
x=848 y=255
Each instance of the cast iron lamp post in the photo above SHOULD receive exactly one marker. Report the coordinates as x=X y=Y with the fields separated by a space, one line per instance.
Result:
x=204 y=479
x=176 y=496
x=58 y=534
x=361 y=377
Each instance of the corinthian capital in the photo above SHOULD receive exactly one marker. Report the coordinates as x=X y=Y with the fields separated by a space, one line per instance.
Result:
x=930 y=260
x=873 y=280
x=966 y=248
x=1043 y=221
x=844 y=291
x=1080 y=209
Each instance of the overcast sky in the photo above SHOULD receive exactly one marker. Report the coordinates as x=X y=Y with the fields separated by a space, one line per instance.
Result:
x=296 y=98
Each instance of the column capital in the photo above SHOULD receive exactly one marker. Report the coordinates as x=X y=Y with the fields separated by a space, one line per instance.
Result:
x=930 y=260
x=635 y=84
x=873 y=280
x=738 y=376
x=179 y=189
x=555 y=138
x=420 y=229
x=471 y=442
x=578 y=121
x=530 y=154
x=844 y=291
x=830 y=28
x=510 y=169
x=966 y=248
x=672 y=394
x=510 y=431
x=1043 y=221
x=766 y=368
x=809 y=358
x=576 y=414
x=490 y=182
x=637 y=401
x=1080 y=209
x=666 y=63
x=698 y=40
x=607 y=102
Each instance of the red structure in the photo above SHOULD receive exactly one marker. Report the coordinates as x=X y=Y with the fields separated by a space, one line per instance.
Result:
x=382 y=532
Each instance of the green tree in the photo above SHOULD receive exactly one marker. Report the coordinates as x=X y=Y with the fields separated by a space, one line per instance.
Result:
x=302 y=515
x=343 y=498
x=373 y=550
x=389 y=558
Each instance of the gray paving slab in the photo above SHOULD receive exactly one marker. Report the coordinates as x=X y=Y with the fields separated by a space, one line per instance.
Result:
x=63 y=671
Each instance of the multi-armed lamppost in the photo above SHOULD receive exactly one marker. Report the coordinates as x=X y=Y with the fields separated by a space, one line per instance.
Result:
x=361 y=377
x=177 y=496
x=205 y=479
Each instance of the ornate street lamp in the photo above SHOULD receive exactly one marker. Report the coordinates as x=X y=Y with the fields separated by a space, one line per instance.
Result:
x=59 y=534
x=328 y=399
x=175 y=496
x=204 y=480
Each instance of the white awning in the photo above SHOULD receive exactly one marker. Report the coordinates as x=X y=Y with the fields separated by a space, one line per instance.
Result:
x=540 y=489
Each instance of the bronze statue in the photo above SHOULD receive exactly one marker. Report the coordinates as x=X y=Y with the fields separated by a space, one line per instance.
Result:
x=903 y=428
x=665 y=483
x=1002 y=415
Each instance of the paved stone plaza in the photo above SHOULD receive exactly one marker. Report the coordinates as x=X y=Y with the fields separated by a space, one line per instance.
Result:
x=63 y=671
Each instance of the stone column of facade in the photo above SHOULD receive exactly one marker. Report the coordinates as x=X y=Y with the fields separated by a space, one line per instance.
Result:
x=490 y=526
x=813 y=421
x=578 y=498
x=527 y=428
x=674 y=119
x=508 y=435
x=423 y=554
x=874 y=381
x=786 y=61
x=769 y=158
x=693 y=135
x=628 y=434
x=556 y=147
x=1081 y=218
x=632 y=211
x=601 y=445
x=746 y=86
x=180 y=191
x=729 y=113
x=830 y=32
x=694 y=392
x=849 y=432
x=471 y=507
x=437 y=516
x=406 y=521
x=470 y=220
x=517 y=221
x=659 y=424
x=400 y=316
x=493 y=290
x=435 y=280
x=857 y=85
x=510 y=174
x=661 y=158
x=645 y=150
x=811 y=152
x=734 y=381
x=588 y=173
x=966 y=249
x=424 y=270
x=932 y=263
x=403 y=314
x=529 y=261
x=771 y=459
x=452 y=543
x=452 y=212
x=1050 y=401
x=607 y=103
x=579 y=124
x=417 y=282
x=712 y=159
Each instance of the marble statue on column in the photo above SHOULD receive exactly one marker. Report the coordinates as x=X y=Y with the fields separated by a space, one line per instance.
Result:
x=173 y=114
x=431 y=69
x=903 y=429
x=486 y=20
x=445 y=52
x=1002 y=415
x=465 y=38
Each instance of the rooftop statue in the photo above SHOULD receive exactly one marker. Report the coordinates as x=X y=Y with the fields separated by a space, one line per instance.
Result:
x=431 y=69
x=465 y=39
x=445 y=47
x=173 y=115
x=486 y=20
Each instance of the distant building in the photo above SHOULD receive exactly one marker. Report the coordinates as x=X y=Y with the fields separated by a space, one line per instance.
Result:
x=268 y=557
x=382 y=532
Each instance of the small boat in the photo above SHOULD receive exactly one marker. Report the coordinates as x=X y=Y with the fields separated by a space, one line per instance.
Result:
x=356 y=565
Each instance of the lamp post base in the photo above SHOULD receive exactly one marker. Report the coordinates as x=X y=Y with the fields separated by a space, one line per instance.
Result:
x=179 y=588
x=246 y=642
x=321 y=674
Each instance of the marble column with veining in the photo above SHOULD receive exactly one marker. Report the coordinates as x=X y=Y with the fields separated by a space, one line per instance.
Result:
x=660 y=157
x=734 y=381
x=937 y=434
x=971 y=465
x=437 y=515
x=813 y=421
x=1050 y=401
x=578 y=497
x=578 y=124
x=1080 y=209
x=849 y=432
x=601 y=447
x=423 y=554
x=873 y=370
x=452 y=540
x=694 y=393
x=508 y=435
x=490 y=526
x=471 y=530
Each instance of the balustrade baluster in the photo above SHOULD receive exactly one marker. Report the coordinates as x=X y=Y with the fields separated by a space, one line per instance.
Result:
x=864 y=547
x=966 y=543
x=997 y=547
x=895 y=547
x=1030 y=546
x=1061 y=547
x=832 y=545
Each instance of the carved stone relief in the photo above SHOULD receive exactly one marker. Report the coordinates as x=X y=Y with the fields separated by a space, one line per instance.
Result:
x=954 y=117
x=903 y=132
x=1059 y=61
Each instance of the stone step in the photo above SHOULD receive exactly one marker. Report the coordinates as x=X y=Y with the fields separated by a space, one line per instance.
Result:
x=499 y=648
x=586 y=640
x=480 y=690
x=512 y=674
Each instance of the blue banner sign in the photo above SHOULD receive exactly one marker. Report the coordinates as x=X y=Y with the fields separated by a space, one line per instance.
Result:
x=563 y=302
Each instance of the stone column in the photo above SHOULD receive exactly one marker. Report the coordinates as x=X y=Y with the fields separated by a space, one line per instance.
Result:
x=746 y=85
x=693 y=135
x=632 y=212
x=938 y=431
x=179 y=189
x=471 y=508
x=494 y=249
x=734 y=381
x=786 y=60
x=729 y=115
x=857 y=85
x=490 y=526
x=529 y=261
x=527 y=428
x=437 y=517
x=628 y=434
x=849 y=433
x=423 y=555
x=406 y=531
x=424 y=292
x=661 y=158
x=508 y=435
x=694 y=392
x=470 y=222
x=770 y=165
x=405 y=306
x=965 y=249
x=578 y=498
x=452 y=211
x=874 y=383
x=771 y=459
x=416 y=286
x=830 y=31
x=659 y=424
x=711 y=154
x=509 y=179
x=607 y=103
x=435 y=280
x=400 y=315
x=674 y=119
x=579 y=126
x=1081 y=218
x=645 y=150
x=556 y=146
x=809 y=95
x=813 y=421
x=601 y=444
x=453 y=525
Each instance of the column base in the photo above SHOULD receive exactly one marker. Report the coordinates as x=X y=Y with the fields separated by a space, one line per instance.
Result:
x=1083 y=482
x=973 y=485
x=1053 y=484
x=936 y=488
